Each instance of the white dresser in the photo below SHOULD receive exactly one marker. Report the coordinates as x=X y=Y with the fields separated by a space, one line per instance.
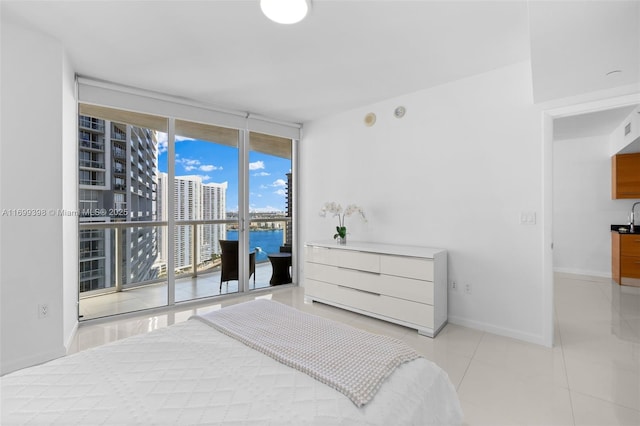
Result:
x=406 y=285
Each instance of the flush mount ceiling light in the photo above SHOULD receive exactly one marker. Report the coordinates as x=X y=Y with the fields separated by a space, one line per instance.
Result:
x=285 y=11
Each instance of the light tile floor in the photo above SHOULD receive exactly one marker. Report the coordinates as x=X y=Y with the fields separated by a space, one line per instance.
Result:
x=590 y=377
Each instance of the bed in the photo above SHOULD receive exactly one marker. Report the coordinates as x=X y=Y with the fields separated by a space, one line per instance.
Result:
x=200 y=372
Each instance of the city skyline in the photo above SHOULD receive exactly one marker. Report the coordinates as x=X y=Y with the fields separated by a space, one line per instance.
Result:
x=218 y=163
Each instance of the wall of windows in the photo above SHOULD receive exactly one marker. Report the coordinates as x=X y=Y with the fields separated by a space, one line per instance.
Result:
x=157 y=194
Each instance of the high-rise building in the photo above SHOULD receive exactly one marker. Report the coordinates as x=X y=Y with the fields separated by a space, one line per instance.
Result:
x=214 y=204
x=187 y=199
x=192 y=200
x=117 y=182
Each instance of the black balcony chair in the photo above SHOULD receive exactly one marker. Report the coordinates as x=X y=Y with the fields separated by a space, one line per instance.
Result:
x=229 y=265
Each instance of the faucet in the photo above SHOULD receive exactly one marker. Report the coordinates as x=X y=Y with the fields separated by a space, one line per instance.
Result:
x=633 y=226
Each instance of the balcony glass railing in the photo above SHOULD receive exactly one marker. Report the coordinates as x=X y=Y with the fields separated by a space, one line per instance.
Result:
x=92 y=273
x=99 y=146
x=93 y=164
x=119 y=136
x=88 y=254
x=137 y=255
x=93 y=182
x=88 y=123
x=91 y=235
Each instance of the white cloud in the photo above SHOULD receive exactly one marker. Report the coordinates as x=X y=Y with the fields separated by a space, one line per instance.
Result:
x=163 y=142
x=279 y=183
x=188 y=162
x=256 y=165
x=281 y=192
x=262 y=174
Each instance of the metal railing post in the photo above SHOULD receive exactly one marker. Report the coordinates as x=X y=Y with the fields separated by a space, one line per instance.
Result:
x=118 y=264
x=194 y=247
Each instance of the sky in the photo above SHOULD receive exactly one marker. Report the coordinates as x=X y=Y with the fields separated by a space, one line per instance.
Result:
x=219 y=163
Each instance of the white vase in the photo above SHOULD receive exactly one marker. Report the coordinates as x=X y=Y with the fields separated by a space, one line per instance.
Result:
x=341 y=240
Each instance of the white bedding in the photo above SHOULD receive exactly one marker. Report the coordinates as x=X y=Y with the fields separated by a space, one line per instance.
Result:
x=190 y=373
x=352 y=361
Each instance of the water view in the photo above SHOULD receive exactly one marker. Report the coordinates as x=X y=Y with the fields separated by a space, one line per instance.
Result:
x=262 y=241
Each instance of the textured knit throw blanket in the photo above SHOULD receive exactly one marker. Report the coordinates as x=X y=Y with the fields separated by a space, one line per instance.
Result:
x=349 y=360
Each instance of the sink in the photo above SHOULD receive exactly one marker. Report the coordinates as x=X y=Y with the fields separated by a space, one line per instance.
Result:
x=618 y=228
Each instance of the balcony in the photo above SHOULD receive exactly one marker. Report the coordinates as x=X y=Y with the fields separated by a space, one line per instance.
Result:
x=89 y=144
x=87 y=123
x=91 y=254
x=92 y=182
x=140 y=244
x=92 y=164
x=93 y=273
x=156 y=295
x=117 y=136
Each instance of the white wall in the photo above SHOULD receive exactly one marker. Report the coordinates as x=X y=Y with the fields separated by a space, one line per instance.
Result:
x=583 y=208
x=36 y=136
x=69 y=163
x=456 y=172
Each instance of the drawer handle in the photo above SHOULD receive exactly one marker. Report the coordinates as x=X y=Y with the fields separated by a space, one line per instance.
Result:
x=359 y=270
x=361 y=291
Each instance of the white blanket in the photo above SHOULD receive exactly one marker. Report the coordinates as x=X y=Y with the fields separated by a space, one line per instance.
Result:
x=353 y=361
x=191 y=374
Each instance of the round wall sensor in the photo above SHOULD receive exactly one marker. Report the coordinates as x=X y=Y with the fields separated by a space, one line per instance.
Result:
x=399 y=112
x=370 y=119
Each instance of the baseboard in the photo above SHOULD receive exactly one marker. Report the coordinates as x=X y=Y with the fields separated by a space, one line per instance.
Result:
x=70 y=337
x=585 y=275
x=30 y=361
x=500 y=331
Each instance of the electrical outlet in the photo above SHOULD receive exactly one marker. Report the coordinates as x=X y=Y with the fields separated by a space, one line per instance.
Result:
x=43 y=311
x=467 y=288
x=528 y=218
x=454 y=286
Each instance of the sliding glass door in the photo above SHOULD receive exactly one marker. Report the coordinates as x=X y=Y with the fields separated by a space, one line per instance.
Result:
x=120 y=230
x=271 y=208
x=174 y=210
x=205 y=207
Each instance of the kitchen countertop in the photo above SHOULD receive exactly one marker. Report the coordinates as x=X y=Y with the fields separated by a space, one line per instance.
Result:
x=624 y=229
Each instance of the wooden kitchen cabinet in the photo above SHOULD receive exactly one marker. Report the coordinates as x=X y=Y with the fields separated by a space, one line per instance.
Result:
x=625 y=176
x=625 y=258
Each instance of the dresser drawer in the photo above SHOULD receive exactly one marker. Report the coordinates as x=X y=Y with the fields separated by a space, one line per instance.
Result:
x=398 y=309
x=630 y=245
x=350 y=259
x=389 y=285
x=410 y=267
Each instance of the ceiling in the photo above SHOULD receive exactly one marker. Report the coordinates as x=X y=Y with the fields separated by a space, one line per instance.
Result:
x=346 y=54
x=600 y=123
